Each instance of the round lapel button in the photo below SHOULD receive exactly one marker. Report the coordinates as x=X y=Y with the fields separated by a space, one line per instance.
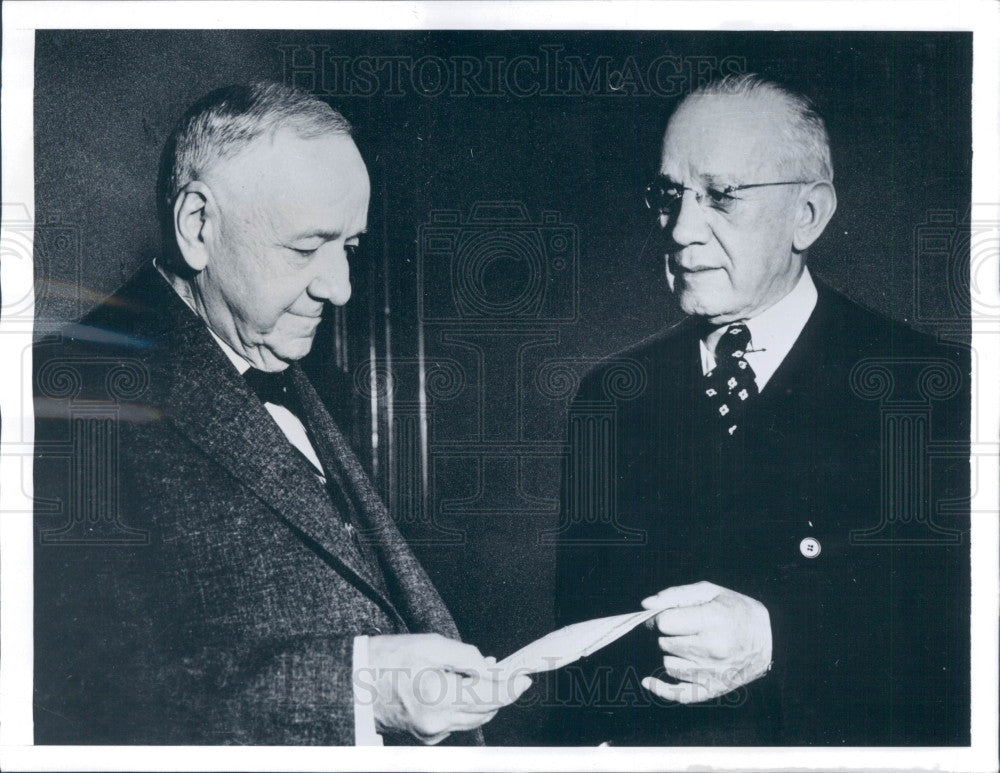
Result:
x=810 y=547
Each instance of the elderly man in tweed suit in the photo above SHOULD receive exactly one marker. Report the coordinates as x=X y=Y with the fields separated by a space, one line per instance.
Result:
x=242 y=581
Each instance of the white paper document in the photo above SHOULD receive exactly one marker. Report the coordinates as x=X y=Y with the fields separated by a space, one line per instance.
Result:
x=573 y=642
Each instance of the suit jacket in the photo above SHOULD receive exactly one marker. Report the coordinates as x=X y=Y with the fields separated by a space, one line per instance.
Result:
x=194 y=581
x=859 y=442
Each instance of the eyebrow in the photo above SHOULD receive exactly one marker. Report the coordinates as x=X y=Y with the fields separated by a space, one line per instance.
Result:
x=708 y=180
x=718 y=180
x=325 y=234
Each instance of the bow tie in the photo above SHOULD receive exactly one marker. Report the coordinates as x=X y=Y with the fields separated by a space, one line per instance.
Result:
x=271 y=387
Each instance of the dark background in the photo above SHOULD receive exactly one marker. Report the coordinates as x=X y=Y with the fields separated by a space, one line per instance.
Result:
x=477 y=492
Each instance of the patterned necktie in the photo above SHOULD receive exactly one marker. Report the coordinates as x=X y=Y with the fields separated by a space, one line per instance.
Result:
x=731 y=384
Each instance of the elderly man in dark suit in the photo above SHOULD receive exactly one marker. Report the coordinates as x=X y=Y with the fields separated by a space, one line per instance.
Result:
x=773 y=490
x=213 y=565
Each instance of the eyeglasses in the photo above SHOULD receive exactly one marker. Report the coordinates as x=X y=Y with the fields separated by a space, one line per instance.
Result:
x=663 y=194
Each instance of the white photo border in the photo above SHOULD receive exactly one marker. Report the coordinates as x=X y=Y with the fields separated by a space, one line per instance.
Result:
x=20 y=20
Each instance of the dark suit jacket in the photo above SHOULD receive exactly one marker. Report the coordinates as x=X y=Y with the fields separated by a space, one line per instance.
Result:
x=194 y=582
x=858 y=441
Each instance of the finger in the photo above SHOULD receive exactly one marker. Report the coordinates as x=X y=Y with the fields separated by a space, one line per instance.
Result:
x=458 y=721
x=472 y=721
x=454 y=694
x=682 y=596
x=687 y=692
x=683 y=621
x=434 y=739
x=456 y=712
x=693 y=648
x=682 y=669
x=512 y=689
x=459 y=657
x=485 y=695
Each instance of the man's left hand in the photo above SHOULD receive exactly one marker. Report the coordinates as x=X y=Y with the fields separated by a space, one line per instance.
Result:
x=714 y=641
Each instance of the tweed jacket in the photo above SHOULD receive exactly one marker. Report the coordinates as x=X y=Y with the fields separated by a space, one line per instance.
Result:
x=841 y=506
x=194 y=581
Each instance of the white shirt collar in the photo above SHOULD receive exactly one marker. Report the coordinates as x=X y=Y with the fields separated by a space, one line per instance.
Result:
x=774 y=331
x=241 y=365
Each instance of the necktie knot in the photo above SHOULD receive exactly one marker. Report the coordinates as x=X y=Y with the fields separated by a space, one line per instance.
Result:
x=733 y=343
x=270 y=387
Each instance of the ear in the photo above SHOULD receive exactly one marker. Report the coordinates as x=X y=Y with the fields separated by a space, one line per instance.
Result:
x=816 y=206
x=195 y=221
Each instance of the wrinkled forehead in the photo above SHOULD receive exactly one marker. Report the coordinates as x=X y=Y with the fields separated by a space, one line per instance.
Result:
x=731 y=138
x=288 y=175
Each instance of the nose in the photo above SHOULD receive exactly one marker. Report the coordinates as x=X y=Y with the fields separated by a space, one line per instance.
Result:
x=333 y=281
x=687 y=225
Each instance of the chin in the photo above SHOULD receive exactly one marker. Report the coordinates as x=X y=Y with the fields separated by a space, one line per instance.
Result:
x=705 y=294
x=290 y=351
x=698 y=305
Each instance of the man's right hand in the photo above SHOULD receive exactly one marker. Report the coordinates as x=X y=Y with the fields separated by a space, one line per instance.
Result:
x=430 y=686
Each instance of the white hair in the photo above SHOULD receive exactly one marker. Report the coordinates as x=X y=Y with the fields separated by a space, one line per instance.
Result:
x=806 y=150
x=224 y=122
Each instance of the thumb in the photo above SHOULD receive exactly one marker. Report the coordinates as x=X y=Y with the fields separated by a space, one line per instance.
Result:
x=512 y=689
x=683 y=596
x=463 y=658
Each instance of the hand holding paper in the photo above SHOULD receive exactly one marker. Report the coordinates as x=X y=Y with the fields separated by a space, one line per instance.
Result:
x=430 y=686
x=715 y=640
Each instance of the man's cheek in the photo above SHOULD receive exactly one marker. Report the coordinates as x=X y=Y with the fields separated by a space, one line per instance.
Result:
x=292 y=330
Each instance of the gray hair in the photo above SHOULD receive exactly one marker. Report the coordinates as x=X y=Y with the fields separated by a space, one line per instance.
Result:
x=806 y=147
x=226 y=121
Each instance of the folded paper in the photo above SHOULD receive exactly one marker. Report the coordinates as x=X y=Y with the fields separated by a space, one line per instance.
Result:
x=569 y=644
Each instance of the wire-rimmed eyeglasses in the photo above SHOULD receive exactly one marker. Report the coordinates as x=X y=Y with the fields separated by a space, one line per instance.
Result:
x=663 y=195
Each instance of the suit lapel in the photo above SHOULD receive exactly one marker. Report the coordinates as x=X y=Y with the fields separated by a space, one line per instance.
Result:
x=804 y=375
x=206 y=399
x=682 y=382
x=412 y=590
